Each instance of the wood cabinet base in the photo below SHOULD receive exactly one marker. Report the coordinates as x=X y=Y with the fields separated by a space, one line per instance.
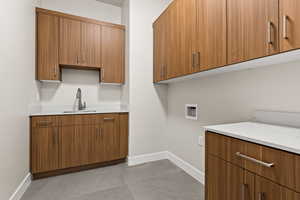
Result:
x=76 y=169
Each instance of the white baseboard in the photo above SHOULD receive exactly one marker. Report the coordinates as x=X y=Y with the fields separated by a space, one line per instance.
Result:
x=21 y=188
x=188 y=168
x=145 y=158
x=185 y=166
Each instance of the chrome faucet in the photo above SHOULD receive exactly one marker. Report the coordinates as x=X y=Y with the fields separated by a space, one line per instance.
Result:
x=79 y=97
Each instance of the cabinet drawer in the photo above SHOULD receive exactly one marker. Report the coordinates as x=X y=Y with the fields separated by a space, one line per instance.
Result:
x=69 y=120
x=276 y=165
x=43 y=122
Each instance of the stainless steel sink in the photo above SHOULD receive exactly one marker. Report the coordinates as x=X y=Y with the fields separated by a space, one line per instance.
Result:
x=81 y=111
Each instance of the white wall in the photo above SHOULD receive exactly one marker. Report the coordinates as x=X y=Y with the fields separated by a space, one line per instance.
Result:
x=148 y=104
x=18 y=89
x=55 y=96
x=86 y=8
x=230 y=97
x=125 y=21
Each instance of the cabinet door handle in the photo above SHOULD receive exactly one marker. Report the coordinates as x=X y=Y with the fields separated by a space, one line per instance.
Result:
x=261 y=196
x=162 y=71
x=198 y=59
x=100 y=133
x=55 y=136
x=270 y=24
x=102 y=74
x=194 y=60
x=77 y=59
x=269 y=165
x=285 y=34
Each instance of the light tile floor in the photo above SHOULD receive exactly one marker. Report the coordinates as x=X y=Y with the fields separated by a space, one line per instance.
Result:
x=159 y=180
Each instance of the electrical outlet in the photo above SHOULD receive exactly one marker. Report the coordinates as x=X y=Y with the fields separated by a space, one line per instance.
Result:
x=201 y=140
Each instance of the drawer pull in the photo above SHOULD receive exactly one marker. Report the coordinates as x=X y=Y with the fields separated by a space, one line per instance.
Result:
x=108 y=119
x=255 y=160
x=44 y=123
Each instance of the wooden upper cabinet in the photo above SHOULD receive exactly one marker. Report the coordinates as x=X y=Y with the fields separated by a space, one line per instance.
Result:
x=211 y=32
x=252 y=29
x=186 y=15
x=47 y=47
x=181 y=38
x=70 y=42
x=290 y=25
x=160 y=46
x=113 y=54
x=90 y=55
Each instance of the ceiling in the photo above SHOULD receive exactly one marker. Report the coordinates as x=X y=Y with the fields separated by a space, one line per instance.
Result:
x=118 y=3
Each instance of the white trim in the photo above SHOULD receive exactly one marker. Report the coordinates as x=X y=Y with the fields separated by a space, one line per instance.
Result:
x=21 y=188
x=185 y=166
x=145 y=158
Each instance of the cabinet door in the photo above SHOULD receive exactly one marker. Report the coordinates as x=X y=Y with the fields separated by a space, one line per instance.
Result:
x=174 y=69
x=44 y=149
x=124 y=135
x=47 y=47
x=75 y=145
x=215 y=180
x=90 y=45
x=69 y=43
x=187 y=16
x=252 y=29
x=160 y=48
x=266 y=190
x=287 y=194
x=113 y=46
x=181 y=33
x=290 y=24
x=211 y=34
x=111 y=136
x=96 y=145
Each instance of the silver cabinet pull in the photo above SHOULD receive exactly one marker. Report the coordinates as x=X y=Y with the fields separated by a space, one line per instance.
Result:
x=108 y=119
x=285 y=34
x=194 y=55
x=161 y=71
x=199 y=59
x=255 y=160
x=270 y=24
x=102 y=73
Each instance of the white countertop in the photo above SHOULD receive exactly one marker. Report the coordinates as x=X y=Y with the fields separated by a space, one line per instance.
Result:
x=279 y=137
x=87 y=111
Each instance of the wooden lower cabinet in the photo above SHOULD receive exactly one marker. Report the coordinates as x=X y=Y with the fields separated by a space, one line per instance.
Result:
x=75 y=145
x=266 y=190
x=44 y=149
x=77 y=140
x=243 y=179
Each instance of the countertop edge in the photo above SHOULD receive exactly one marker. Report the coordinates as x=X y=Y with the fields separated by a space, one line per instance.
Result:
x=265 y=143
x=79 y=113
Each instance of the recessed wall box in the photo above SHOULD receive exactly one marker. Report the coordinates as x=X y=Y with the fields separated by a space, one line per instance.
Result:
x=191 y=111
